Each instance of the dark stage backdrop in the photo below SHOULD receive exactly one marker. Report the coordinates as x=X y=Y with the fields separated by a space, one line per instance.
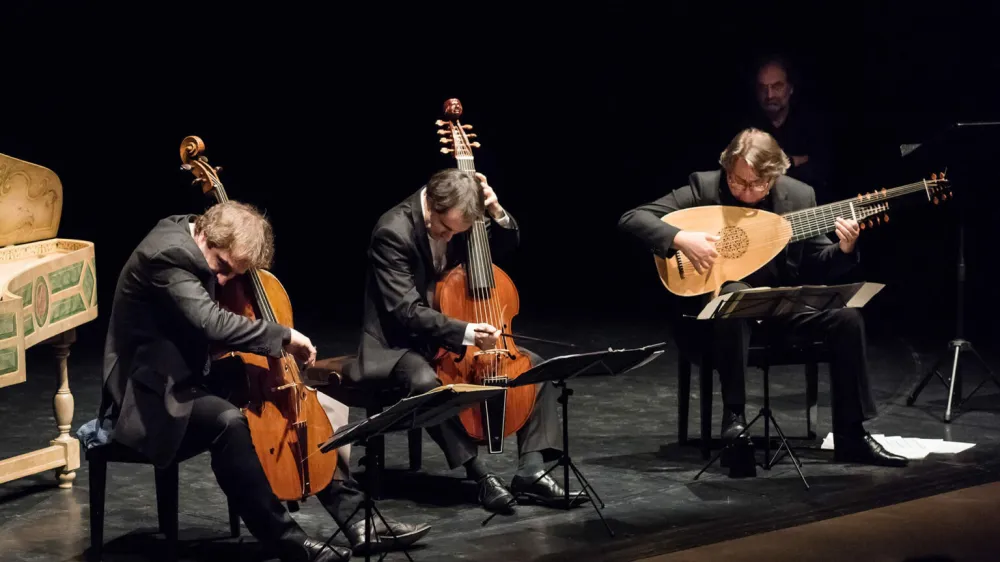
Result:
x=324 y=118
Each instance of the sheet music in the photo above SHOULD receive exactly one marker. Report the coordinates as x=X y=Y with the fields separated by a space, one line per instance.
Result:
x=779 y=301
x=910 y=447
x=865 y=294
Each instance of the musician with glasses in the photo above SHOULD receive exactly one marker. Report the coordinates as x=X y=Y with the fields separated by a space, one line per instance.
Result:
x=752 y=176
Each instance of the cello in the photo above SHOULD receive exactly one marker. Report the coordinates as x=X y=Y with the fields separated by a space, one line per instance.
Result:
x=479 y=291
x=286 y=420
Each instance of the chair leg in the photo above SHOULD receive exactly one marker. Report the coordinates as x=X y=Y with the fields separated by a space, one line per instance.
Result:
x=706 y=383
x=812 y=398
x=234 y=520
x=167 y=506
x=98 y=471
x=683 y=398
x=415 y=441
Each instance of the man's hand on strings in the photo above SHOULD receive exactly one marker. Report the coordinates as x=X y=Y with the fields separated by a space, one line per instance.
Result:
x=301 y=348
x=699 y=247
x=486 y=336
x=492 y=203
x=848 y=232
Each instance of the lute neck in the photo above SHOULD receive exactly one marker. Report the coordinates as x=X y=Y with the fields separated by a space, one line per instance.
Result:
x=814 y=221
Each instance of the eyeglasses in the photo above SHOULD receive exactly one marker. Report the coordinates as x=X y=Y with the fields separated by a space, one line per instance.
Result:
x=759 y=186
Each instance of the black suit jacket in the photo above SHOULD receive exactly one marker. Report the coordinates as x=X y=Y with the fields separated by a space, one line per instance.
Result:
x=813 y=260
x=163 y=318
x=398 y=316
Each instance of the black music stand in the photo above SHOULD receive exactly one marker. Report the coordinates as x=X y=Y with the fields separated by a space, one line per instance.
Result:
x=959 y=146
x=558 y=370
x=423 y=410
x=762 y=304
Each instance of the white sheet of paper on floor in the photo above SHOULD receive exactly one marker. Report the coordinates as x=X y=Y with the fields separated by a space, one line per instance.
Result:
x=910 y=447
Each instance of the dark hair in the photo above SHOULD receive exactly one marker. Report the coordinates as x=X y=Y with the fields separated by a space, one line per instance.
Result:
x=776 y=60
x=453 y=188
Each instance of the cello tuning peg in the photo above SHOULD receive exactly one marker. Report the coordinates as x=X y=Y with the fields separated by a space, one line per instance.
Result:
x=471 y=135
x=944 y=196
x=186 y=167
x=467 y=127
x=933 y=176
x=475 y=145
x=447 y=150
x=439 y=123
x=445 y=140
x=442 y=132
x=936 y=200
x=886 y=217
x=870 y=224
x=218 y=169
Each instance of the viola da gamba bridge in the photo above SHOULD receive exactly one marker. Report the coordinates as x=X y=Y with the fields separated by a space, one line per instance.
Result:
x=750 y=238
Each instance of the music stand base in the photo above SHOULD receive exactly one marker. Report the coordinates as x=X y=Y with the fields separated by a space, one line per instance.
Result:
x=765 y=414
x=567 y=463
x=368 y=504
x=954 y=383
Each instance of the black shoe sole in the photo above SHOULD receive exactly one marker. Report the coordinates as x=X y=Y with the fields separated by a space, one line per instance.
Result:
x=525 y=498
x=853 y=459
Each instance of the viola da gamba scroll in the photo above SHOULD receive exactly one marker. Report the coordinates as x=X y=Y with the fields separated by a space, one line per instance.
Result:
x=479 y=291
x=750 y=238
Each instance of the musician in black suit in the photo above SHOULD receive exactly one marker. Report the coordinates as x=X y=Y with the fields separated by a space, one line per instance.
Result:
x=752 y=175
x=160 y=391
x=411 y=246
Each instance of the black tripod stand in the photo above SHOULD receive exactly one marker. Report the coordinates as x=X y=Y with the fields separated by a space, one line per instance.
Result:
x=559 y=370
x=368 y=504
x=763 y=305
x=768 y=417
x=565 y=461
x=423 y=410
x=956 y=346
x=958 y=144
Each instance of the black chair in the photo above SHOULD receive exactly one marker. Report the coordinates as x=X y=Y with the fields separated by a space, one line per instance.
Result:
x=166 y=495
x=793 y=351
x=333 y=377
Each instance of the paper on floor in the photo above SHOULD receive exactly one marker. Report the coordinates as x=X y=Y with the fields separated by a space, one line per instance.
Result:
x=910 y=447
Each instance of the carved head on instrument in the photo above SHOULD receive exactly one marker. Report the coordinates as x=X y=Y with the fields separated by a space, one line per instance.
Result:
x=234 y=237
x=453 y=201
x=752 y=162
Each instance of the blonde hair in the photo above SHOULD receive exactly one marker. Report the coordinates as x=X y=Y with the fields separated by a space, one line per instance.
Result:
x=241 y=229
x=760 y=151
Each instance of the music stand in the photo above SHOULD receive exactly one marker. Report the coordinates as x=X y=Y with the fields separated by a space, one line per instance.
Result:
x=423 y=410
x=559 y=370
x=762 y=304
x=955 y=145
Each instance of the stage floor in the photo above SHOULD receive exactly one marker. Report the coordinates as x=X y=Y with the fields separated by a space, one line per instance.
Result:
x=623 y=438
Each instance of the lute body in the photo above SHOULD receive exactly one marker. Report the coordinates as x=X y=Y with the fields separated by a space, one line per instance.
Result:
x=750 y=238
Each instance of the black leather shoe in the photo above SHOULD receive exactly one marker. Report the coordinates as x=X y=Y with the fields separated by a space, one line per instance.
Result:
x=732 y=425
x=864 y=449
x=494 y=496
x=545 y=491
x=314 y=551
x=396 y=536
